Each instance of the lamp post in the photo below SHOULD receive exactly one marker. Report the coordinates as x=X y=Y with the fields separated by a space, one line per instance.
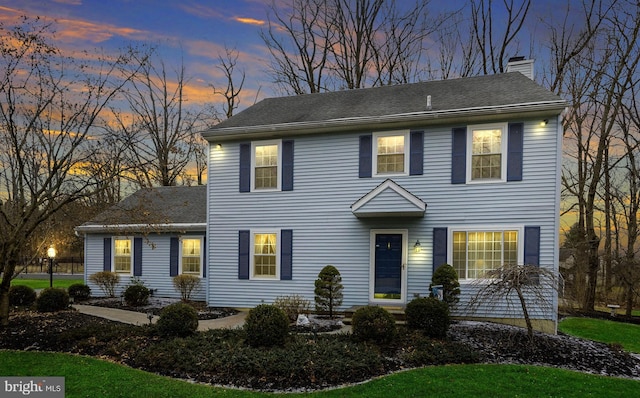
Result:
x=51 y=252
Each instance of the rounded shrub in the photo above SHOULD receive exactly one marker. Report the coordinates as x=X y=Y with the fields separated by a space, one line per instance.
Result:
x=21 y=296
x=178 y=320
x=52 y=299
x=266 y=326
x=447 y=277
x=136 y=295
x=372 y=323
x=79 y=291
x=429 y=315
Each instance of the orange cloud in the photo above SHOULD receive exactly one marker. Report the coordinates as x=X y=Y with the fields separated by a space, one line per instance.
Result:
x=250 y=21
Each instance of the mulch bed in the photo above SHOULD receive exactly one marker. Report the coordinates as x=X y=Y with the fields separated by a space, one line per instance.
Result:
x=156 y=305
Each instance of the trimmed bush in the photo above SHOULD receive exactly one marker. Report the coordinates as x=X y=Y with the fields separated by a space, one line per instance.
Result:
x=21 y=296
x=52 y=299
x=447 y=277
x=178 y=320
x=106 y=281
x=429 y=315
x=266 y=326
x=136 y=295
x=372 y=323
x=186 y=284
x=328 y=290
x=79 y=291
x=293 y=305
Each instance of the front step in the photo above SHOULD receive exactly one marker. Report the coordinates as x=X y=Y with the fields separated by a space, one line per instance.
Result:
x=397 y=313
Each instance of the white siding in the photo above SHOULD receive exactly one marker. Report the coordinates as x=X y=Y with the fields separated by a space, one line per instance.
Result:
x=325 y=231
x=155 y=266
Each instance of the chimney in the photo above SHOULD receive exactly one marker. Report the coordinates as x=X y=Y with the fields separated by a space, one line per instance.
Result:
x=522 y=65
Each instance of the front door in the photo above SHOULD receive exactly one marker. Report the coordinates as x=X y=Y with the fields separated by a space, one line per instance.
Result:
x=388 y=266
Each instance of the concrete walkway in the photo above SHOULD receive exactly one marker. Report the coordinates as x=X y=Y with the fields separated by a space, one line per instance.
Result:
x=139 y=318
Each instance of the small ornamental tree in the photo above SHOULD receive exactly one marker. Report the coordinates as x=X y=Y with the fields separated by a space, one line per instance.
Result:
x=447 y=277
x=328 y=291
x=106 y=281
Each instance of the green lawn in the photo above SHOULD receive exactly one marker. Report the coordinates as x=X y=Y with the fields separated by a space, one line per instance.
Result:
x=626 y=334
x=43 y=283
x=89 y=377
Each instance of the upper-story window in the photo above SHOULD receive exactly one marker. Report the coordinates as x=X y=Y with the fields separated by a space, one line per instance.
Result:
x=191 y=256
x=488 y=153
x=266 y=161
x=122 y=255
x=390 y=155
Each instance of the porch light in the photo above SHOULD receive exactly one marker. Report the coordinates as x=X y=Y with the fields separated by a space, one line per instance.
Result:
x=544 y=122
x=219 y=147
x=417 y=247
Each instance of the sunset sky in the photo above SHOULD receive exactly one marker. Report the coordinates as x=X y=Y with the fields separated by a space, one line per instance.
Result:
x=195 y=30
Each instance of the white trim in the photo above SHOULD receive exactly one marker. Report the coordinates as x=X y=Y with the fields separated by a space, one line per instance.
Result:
x=422 y=118
x=372 y=266
x=254 y=144
x=484 y=228
x=504 y=127
x=252 y=234
x=113 y=254
x=142 y=227
x=374 y=154
x=180 y=254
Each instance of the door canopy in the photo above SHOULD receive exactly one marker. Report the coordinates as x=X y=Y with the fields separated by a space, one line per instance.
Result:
x=389 y=200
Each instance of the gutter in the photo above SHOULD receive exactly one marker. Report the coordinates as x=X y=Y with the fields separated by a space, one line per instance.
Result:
x=422 y=118
x=145 y=228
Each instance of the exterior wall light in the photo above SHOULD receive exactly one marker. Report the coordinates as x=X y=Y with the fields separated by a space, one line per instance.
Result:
x=417 y=247
x=544 y=122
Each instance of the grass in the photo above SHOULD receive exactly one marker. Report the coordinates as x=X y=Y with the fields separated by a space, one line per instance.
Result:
x=44 y=283
x=625 y=334
x=86 y=377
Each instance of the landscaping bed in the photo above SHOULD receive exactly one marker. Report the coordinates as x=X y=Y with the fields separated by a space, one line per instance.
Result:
x=156 y=304
x=307 y=361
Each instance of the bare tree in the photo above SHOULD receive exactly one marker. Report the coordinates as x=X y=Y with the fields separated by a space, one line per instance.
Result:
x=494 y=42
x=227 y=64
x=598 y=80
x=48 y=108
x=324 y=45
x=159 y=126
x=299 y=57
x=529 y=286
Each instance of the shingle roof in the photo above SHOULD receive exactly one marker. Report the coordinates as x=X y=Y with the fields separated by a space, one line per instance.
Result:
x=454 y=94
x=155 y=206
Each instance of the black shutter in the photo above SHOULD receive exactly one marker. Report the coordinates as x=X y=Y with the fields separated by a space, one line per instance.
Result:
x=106 y=264
x=245 y=167
x=459 y=155
x=174 y=249
x=515 y=151
x=416 y=160
x=204 y=257
x=439 y=247
x=243 y=254
x=137 y=256
x=286 y=255
x=287 y=165
x=532 y=250
x=365 y=156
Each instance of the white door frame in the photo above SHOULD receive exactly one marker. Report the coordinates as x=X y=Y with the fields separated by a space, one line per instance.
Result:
x=372 y=266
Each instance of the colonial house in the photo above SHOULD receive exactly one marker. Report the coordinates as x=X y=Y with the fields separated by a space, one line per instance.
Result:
x=384 y=183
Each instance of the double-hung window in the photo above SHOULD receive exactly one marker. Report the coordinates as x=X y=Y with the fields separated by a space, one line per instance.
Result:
x=265 y=256
x=122 y=255
x=390 y=155
x=191 y=256
x=266 y=162
x=487 y=153
x=474 y=252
